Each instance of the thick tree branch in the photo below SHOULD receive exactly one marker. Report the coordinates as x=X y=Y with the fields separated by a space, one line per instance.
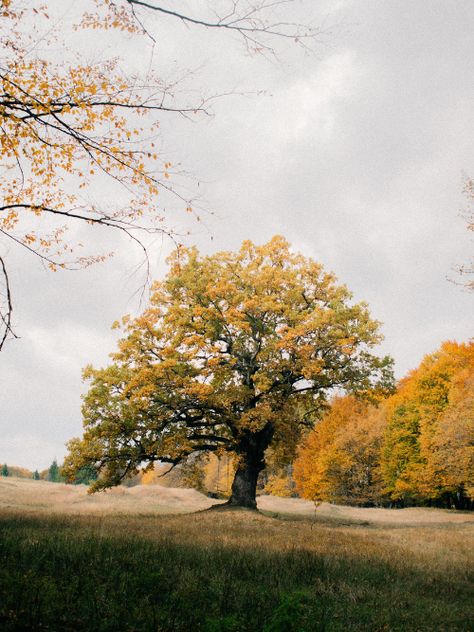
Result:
x=6 y=313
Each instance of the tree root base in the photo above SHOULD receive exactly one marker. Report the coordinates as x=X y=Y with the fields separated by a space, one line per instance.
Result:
x=228 y=506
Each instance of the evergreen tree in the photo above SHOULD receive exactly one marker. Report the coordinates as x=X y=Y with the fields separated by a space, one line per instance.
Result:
x=36 y=475
x=86 y=475
x=5 y=471
x=54 y=474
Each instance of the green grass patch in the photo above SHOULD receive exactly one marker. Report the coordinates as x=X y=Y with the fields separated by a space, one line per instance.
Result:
x=99 y=574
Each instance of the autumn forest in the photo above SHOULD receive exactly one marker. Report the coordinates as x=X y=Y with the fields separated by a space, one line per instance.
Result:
x=236 y=283
x=415 y=447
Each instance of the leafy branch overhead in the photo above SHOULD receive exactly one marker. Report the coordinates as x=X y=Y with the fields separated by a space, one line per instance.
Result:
x=67 y=127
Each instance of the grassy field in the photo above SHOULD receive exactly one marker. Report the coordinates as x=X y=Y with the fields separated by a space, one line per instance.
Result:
x=124 y=561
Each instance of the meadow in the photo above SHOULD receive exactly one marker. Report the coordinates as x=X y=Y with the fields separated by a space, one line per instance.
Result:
x=150 y=558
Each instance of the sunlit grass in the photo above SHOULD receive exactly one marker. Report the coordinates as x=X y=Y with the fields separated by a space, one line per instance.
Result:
x=233 y=571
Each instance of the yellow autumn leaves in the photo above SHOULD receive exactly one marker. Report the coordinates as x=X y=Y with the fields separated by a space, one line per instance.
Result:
x=64 y=127
x=415 y=447
x=236 y=349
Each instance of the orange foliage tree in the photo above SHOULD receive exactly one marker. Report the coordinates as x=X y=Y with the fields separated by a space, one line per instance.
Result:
x=66 y=127
x=237 y=352
x=340 y=460
x=417 y=417
x=415 y=447
x=218 y=472
x=452 y=457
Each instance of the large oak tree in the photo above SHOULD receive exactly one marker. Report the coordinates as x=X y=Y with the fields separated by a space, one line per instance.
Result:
x=237 y=352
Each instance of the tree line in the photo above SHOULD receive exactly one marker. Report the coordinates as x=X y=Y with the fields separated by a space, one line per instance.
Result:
x=53 y=474
x=240 y=354
x=415 y=447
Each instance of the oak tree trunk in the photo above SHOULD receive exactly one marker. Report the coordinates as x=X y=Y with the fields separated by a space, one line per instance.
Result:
x=244 y=486
x=251 y=454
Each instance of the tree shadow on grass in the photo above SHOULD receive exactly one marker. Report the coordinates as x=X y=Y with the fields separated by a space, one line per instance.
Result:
x=56 y=576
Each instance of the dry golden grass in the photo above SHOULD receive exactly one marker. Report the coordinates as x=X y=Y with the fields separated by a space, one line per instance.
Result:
x=355 y=569
x=428 y=536
x=27 y=495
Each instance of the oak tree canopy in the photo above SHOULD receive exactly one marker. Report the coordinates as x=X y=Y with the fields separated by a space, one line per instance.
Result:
x=237 y=352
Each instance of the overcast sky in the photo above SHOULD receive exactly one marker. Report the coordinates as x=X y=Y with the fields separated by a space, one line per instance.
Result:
x=355 y=154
